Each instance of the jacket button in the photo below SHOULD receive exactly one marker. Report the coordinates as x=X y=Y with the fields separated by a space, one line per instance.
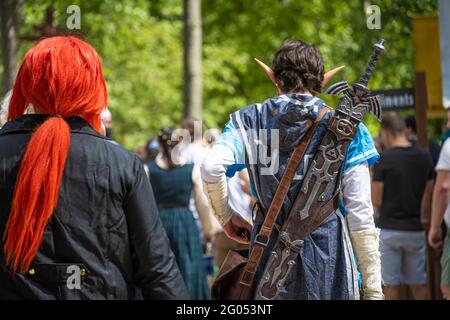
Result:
x=31 y=272
x=82 y=272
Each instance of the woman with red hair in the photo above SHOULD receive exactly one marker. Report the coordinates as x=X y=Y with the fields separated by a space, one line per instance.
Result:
x=77 y=215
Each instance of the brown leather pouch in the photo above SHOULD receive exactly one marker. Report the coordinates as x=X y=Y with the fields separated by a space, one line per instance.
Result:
x=227 y=283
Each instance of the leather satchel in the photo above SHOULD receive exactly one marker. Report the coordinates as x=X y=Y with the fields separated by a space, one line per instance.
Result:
x=236 y=277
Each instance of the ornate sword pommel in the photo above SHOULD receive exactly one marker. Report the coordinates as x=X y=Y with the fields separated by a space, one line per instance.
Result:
x=378 y=49
x=356 y=100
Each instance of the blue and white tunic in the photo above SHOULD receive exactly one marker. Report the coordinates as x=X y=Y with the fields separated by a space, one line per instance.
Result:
x=261 y=137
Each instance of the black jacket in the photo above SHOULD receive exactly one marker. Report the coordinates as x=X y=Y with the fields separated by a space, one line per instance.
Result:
x=105 y=231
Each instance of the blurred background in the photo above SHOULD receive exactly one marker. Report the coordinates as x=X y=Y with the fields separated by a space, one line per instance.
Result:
x=145 y=48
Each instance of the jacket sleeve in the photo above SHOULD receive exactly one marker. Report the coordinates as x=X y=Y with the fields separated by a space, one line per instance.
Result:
x=357 y=197
x=363 y=234
x=210 y=225
x=155 y=268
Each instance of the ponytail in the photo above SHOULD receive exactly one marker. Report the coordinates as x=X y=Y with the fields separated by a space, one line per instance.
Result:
x=167 y=145
x=36 y=193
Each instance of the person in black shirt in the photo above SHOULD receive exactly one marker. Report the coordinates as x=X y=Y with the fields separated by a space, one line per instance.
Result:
x=411 y=134
x=401 y=191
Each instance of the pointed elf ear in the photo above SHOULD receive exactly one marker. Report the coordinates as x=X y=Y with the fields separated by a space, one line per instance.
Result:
x=268 y=71
x=330 y=74
x=326 y=77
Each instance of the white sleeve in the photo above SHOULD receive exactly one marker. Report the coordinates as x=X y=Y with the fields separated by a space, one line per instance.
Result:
x=444 y=157
x=357 y=198
x=215 y=164
x=210 y=225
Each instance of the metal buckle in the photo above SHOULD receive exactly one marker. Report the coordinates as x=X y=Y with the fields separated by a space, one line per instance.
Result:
x=295 y=245
x=261 y=240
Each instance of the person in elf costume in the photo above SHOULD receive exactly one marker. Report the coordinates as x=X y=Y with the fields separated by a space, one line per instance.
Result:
x=261 y=138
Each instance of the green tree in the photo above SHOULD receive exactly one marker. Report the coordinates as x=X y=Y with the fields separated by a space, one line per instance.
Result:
x=140 y=42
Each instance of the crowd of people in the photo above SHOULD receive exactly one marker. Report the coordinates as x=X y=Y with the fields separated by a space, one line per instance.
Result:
x=172 y=161
x=402 y=188
x=158 y=223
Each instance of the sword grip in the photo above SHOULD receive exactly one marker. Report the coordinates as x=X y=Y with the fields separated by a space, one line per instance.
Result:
x=379 y=48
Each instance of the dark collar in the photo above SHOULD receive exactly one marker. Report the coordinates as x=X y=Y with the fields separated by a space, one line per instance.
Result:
x=29 y=122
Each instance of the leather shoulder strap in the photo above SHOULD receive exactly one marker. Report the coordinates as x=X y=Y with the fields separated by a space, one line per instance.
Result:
x=263 y=237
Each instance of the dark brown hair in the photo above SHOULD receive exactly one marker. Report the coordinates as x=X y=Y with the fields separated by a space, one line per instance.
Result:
x=167 y=144
x=299 y=66
x=410 y=122
x=189 y=124
x=394 y=124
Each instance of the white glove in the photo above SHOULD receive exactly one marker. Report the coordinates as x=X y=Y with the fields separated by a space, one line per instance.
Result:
x=366 y=246
x=218 y=198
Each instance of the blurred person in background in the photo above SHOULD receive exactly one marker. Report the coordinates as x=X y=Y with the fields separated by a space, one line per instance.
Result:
x=379 y=143
x=411 y=135
x=107 y=122
x=401 y=192
x=194 y=150
x=152 y=148
x=211 y=136
x=4 y=106
x=73 y=205
x=174 y=182
x=446 y=135
x=441 y=211
x=241 y=201
x=142 y=153
x=147 y=152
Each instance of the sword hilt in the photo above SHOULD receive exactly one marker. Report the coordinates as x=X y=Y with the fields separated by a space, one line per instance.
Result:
x=378 y=49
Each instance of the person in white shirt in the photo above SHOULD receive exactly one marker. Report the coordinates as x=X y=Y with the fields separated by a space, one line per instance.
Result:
x=441 y=210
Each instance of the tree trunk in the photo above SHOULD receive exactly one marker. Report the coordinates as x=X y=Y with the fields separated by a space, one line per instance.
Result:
x=9 y=12
x=433 y=257
x=192 y=59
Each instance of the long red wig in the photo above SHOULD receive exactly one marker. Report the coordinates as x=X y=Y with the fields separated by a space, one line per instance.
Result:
x=60 y=76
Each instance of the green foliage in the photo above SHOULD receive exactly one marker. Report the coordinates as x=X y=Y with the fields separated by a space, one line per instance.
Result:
x=140 y=42
x=337 y=28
